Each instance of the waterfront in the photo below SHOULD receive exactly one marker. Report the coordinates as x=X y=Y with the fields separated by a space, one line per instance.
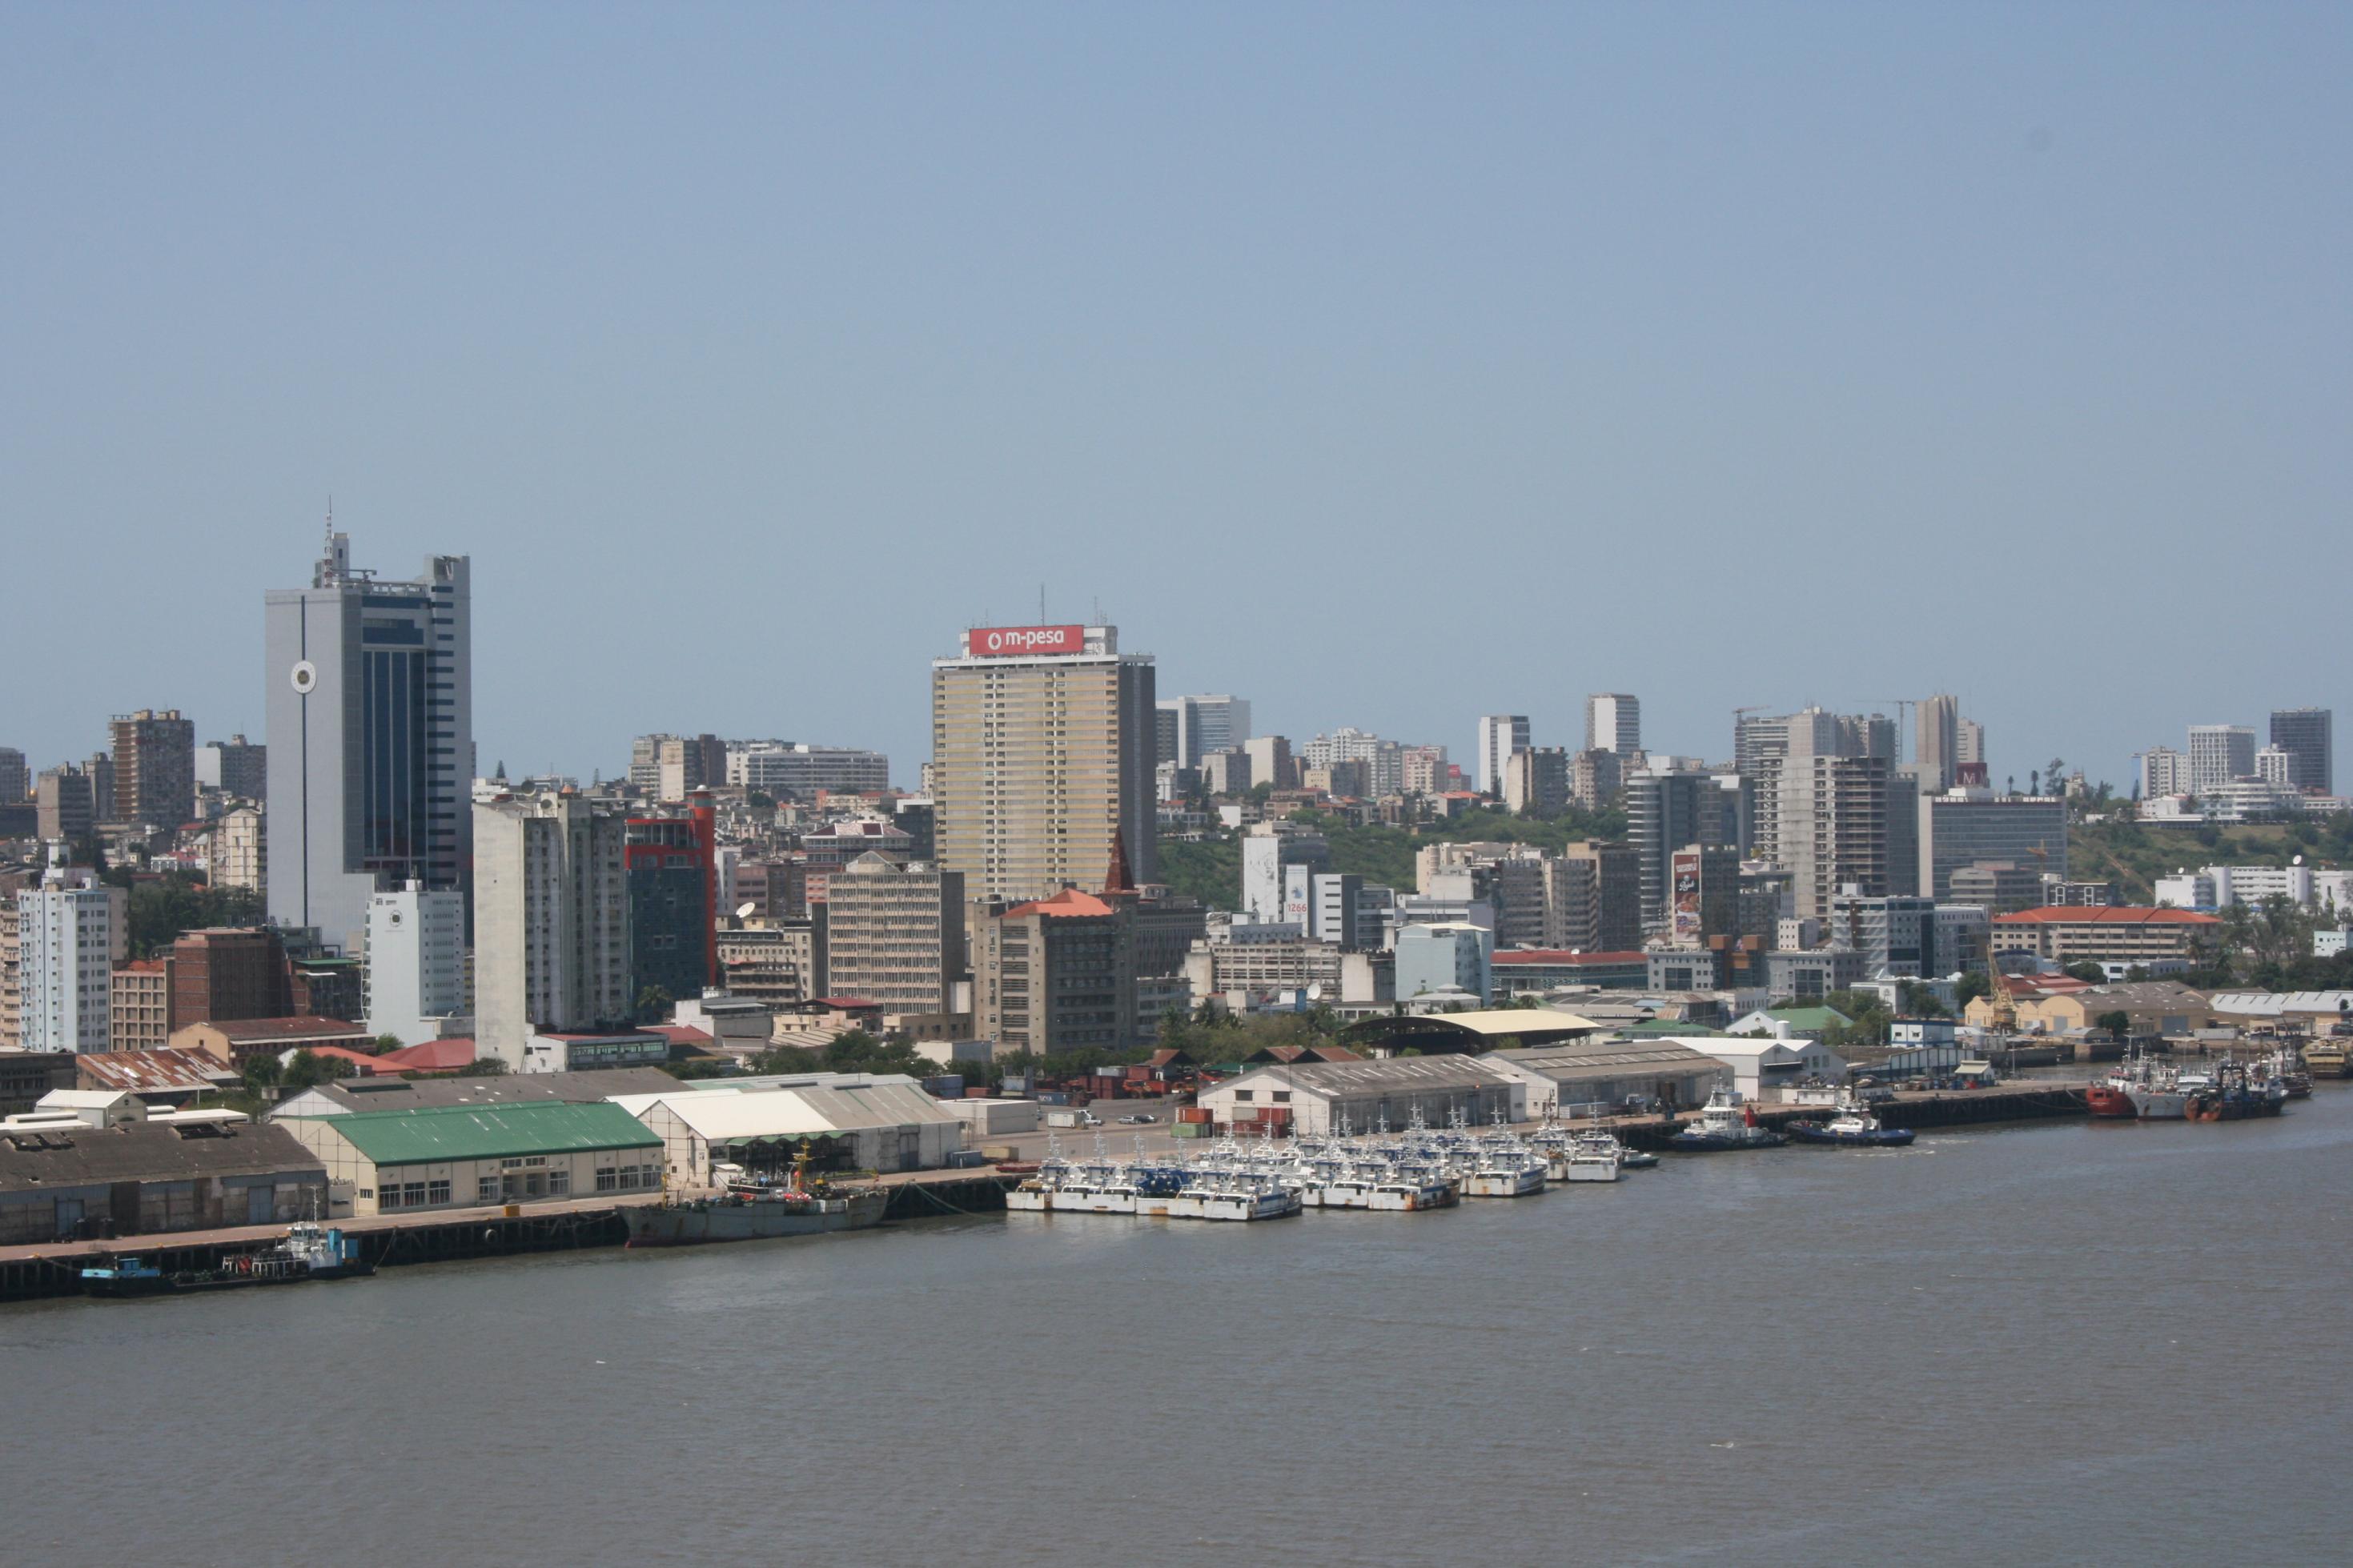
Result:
x=2081 y=1341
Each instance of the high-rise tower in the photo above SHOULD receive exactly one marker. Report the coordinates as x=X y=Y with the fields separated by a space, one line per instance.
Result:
x=370 y=740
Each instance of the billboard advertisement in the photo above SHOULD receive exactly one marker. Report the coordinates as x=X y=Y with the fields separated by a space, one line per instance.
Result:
x=1682 y=903
x=1001 y=642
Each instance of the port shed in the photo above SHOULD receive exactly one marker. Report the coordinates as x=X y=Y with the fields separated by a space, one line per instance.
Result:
x=870 y=1127
x=1318 y=1095
x=1567 y=1078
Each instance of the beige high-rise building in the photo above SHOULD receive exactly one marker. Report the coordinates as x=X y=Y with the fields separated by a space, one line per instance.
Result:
x=1043 y=746
x=238 y=855
x=894 y=934
x=1937 y=747
x=551 y=920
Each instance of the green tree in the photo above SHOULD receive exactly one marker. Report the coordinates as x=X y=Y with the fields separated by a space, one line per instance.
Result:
x=654 y=1005
x=387 y=1042
x=2117 y=1024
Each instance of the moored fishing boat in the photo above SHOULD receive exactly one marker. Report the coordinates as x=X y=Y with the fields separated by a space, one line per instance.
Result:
x=756 y=1211
x=1725 y=1123
x=1853 y=1127
x=307 y=1251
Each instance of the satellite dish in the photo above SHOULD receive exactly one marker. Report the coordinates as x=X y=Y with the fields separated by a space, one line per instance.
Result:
x=1315 y=992
x=2297 y=861
x=743 y=911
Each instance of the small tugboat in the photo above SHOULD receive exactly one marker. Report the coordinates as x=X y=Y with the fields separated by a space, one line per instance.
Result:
x=307 y=1251
x=1725 y=1123
x=755 y=1211
x=2234 y=1094
x=1854 y=1127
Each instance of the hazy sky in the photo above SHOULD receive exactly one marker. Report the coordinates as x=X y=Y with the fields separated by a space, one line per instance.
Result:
x=1385 y=367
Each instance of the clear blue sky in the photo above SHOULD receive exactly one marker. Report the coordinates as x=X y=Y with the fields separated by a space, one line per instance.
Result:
x=1386 y=366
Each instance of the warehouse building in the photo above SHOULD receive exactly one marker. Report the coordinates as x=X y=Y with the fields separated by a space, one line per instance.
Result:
x=871 y=1125
x=459 y=1156
x=137 y=1178
x=1483 y=1029
x=1314 y=1097
x=348 y=1095
x=1572 y=1079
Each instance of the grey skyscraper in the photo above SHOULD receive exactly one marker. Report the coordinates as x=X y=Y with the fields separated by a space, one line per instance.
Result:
x=1937 y=744
x=370 y=740
x=2306 y=734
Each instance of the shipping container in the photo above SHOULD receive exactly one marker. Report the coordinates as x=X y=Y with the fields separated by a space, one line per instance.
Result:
x=1192 y=1113
x=1050 y=1096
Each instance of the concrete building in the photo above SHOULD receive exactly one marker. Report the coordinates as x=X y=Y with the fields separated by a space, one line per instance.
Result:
x=778 y=961
x=1244 y=974
x=371 y=741
x=1042 y=753
x=1580 y=1076
x=143 y=1178
x=415 y=954
x=139 y=1005
x=2163 y=771
x=2119 y=933
x=466 y=1156
x=16 y=784
x=1937 y=743
x=234 y=1042
x=1536 y=970
x=1669 y=811
x=1270 y=762
x=551 y=920
x=65 y=808
x=2001 y=886
x=1270 y=850
x=673 y=896
x=1593 y=897
x=1831 y=821
x=239 y=849
x=1595 y=778
x=1968 y=827
x=1451 y=956
x=1226 y=772
x=876 y=1124
x=1052 y=974
x=2219 y=753
x=1613 y=723
x=1377 y=766
x=1319 y=1096
x=2307 y=736
x=798 y=770
x=1206 y=725
x=895 y=934
x=155 y=754
x=1893 y=934
x=1536 y=781
x=234 y=767
x=1501 y=736
x=1760 y=1066
x=70 y=933
x=1808 y=974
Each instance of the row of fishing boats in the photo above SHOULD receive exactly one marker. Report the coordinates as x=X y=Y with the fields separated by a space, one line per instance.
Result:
x=1249 y=1179
x=2230 y=1090
x=1420 y=1168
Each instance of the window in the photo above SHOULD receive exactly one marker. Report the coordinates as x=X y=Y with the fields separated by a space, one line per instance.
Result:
x=559 y=1183
x=412 y=1196
x=1245 y=1094
x=1283 y=1097
x=606 y=1178
x=486 y=1189
x=438 y=1192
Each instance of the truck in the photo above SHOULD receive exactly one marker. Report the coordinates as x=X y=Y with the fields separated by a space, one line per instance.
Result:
x=1063 y=1115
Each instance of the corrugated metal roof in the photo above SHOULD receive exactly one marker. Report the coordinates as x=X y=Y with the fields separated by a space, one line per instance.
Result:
x=1375 y=1076
x=1609 y=1059
x=164 y=1070
x=789 y=1112
x=490 y=1132
x=1499 y=1021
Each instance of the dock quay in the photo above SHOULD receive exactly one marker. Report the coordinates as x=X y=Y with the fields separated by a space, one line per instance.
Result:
x=44 y=1269
x=2023 y=1101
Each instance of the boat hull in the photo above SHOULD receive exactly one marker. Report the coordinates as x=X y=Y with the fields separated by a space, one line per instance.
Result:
x=1709 y=1143
x=1885 y=1138
x=693 y=1225
x=2107 y=1100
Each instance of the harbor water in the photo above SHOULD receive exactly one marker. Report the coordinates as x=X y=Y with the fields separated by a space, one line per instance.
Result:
x=2081 y=1343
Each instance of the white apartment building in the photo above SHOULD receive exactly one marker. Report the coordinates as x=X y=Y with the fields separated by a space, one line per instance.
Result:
x=551 y=920
x=238 y=859
x=415 y=970
x=2219 y=753
x=1613 y=722
x=1500 y=735
x=2163 y=771
x=1268 y=849
x=70 y=933
x=798 y=772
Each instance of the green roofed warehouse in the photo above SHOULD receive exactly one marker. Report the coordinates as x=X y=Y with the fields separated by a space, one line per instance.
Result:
x=462 y=1157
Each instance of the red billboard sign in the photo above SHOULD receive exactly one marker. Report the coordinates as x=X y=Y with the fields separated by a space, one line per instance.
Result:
x=1000 y=642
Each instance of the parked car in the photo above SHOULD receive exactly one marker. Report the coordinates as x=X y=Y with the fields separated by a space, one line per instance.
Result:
x=1137 y=1121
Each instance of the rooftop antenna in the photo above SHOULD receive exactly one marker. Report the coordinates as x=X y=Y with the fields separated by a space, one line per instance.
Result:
x=1041 y=603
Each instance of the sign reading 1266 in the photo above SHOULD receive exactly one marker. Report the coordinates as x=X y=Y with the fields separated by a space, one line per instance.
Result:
x=997 y=642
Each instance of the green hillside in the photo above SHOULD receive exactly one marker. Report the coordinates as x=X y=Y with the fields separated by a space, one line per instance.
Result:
x=2135 y=853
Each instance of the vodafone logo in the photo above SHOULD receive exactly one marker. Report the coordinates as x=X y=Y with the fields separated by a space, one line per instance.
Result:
x=998 y=641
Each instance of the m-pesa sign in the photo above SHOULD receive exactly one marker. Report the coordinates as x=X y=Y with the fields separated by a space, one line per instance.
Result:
x=995 y=642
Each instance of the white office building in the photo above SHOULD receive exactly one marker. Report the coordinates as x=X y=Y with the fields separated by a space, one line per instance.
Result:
x=2219 y=753
x=551 y=921
x=785 y=771
x=1451 y=956
x=1268 y=849
x=70 y=933
x=415 y=976
x=1500 y=735
x=1613 y=722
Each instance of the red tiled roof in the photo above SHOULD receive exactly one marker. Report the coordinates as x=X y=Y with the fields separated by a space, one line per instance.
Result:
x=681 y=1034
x=2106 y=914
x=1069 y=901
x=433 y=1056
